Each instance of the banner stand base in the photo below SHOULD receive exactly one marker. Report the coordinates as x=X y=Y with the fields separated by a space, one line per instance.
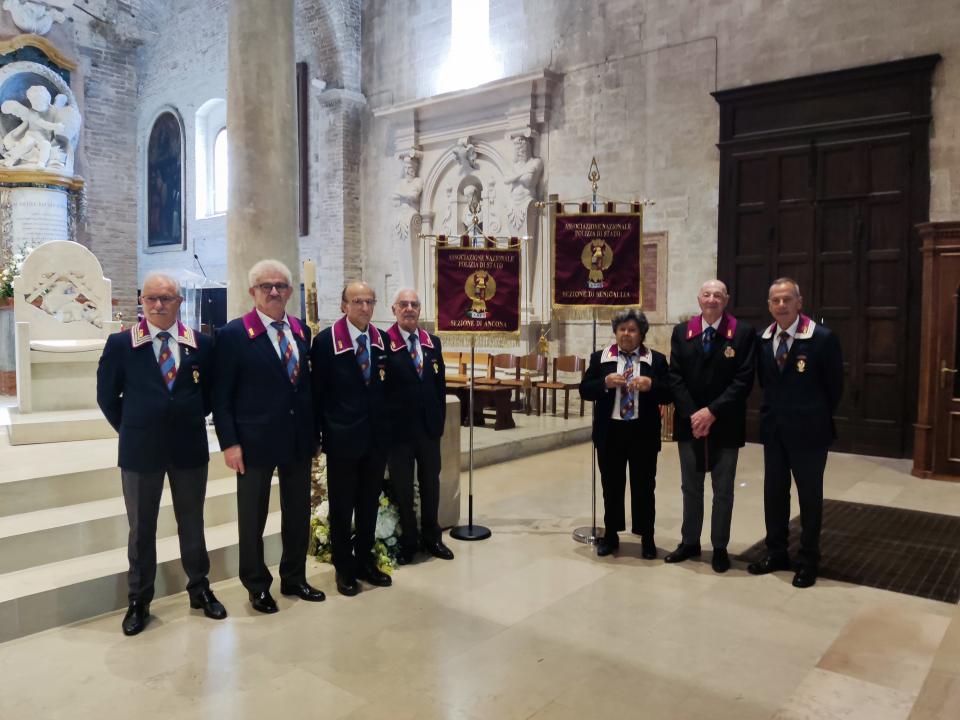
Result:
x=588 y=535
x=470 y=532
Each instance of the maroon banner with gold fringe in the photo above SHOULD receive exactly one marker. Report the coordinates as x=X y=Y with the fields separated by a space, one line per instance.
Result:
x=596 y=259
x=478 y=289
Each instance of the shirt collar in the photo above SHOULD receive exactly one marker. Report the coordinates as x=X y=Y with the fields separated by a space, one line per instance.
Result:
x=173 y=331
x=406 y=335
x=792 y=330
x=355 y=333
x=268 y=321
x=715 y=326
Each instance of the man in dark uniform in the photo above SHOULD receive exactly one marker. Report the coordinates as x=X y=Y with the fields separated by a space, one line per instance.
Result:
x=349 y=373
x=416 y=398
x=711 y=375
x=800 y=368
x=264 y=420
x=153 y=386
x=628 y=382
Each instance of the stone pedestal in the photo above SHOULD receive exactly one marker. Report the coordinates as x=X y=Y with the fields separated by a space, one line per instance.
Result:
x=36 y=214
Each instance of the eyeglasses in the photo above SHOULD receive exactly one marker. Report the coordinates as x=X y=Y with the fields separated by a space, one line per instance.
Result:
x=357 y=302
x=162 y=299
x=408 y=304
x=279 y=287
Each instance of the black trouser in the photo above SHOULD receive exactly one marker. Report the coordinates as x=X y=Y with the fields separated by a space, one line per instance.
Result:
x=253 y=504
x=353 y=487
x=625 y=445
x=141 y=495
x=807 y=466
x=424 y=451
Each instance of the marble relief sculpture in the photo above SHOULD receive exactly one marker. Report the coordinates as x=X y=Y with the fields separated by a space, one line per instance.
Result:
x=466 y=154
x=46 y=135
x=406 y=195
x=525 y=180
x=36 y=16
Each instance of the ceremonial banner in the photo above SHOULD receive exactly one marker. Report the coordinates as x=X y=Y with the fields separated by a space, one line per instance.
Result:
x=478 y=289
x=597 y=259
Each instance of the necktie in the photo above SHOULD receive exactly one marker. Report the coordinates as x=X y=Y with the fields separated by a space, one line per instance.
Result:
x=626 y=396
x=286 y=353
x=782 y=350
x=708 y=335
x=363 y=358
x=168 y=365
x=415 y=354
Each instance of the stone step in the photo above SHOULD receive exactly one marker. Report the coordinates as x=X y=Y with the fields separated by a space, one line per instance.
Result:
x=45 y=596
x=52 y=534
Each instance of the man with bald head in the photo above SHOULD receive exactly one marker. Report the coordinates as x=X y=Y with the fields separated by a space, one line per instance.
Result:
x=711 y=375
x=264 y=418
x=153 y=386
x=349 y=374
x=416 y=398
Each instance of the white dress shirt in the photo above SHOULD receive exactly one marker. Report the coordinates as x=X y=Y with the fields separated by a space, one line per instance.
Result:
x=355 y=333
x=171 y=343
x=792 y=331
x=272 y=334
x=621 y=366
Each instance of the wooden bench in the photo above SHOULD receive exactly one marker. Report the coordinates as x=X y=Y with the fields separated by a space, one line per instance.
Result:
x=486 y=397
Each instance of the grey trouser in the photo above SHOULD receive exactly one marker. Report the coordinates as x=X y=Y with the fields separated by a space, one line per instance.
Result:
x=691 y=482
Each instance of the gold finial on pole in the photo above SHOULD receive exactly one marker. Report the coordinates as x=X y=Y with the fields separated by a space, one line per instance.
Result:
x=594 y=175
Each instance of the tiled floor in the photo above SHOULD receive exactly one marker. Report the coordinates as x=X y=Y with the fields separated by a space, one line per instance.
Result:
x=529 y=624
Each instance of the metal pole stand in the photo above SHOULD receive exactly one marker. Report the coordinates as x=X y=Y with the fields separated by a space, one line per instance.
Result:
x=590 y=534
x=470 y=531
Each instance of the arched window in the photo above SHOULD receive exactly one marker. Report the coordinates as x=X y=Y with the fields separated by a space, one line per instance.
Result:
x=211 y=158
x=165 y=182
x=220 y=172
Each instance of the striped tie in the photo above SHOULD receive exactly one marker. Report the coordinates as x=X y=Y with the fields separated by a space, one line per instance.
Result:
x=168 y=365
x=415 y=354
x=782 y=350
x=708 y=339
x=626 y=396
x=363 y=357
x=286 y=353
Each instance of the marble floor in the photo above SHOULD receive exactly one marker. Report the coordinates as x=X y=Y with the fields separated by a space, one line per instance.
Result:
x=530 y=624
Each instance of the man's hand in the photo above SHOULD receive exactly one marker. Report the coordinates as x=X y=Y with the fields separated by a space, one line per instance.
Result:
x=640 y=383
x=701 y=421
x=614 y=380
x=233 y=457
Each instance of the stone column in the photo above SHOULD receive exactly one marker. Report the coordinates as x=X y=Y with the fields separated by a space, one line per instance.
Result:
x=262 y=145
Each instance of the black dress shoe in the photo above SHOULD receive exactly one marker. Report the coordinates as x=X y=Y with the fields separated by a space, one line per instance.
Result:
x=136 y=618
x=768 y=565
x=212 y=607
x=683 y=552
x=304 y=591
x=347 y=585
x=438 y=550
x=805 y=577
x=263 y=602
x=720 y=562
x=648 y=548
x=373 y=575
x=607 y=545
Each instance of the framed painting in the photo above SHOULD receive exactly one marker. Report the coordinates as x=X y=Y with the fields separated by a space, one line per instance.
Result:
x=165 y=201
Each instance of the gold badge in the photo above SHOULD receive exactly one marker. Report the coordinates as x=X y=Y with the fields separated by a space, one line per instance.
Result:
x=250 y=332
x=383 y=374
x=729 y=352
x=339 y=344
x=436 y=368
x=801 y=365
x=196 y=376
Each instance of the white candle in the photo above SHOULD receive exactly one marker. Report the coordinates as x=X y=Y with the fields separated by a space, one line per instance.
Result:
x=309 y=273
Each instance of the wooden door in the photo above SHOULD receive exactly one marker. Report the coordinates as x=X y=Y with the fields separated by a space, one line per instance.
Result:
x=946 y=451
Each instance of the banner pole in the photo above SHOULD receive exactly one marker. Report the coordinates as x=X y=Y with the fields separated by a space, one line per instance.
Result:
x=470 y=531
x=590 y=535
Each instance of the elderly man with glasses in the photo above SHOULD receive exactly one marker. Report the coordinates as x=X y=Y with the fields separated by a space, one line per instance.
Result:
x=349 y=373
x=153 y=386
x=264 y=420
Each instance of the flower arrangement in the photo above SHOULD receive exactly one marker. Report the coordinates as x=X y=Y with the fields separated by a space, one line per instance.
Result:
x=386 y=545
x=10 y=264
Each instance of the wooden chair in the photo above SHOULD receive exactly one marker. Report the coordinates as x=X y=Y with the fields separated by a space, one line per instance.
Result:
x=506 y=368
x=569 y=365
x=456 y=368
x=482 y=370
x=532 y=371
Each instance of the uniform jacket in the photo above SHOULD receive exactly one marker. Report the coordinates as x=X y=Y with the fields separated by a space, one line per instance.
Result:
x=158 y=428
x=254 y=403
x=592 y=387
x=351 y=415
x=799 y=402
x=415 y=402
x=720 y=380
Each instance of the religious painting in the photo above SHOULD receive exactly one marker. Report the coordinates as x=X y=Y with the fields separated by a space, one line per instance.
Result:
x=478 y=288
x=597 y=259
x=165 y=206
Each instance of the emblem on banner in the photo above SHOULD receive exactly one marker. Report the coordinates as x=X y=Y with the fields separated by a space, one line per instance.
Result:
x=596 y=257
x=480 y=287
